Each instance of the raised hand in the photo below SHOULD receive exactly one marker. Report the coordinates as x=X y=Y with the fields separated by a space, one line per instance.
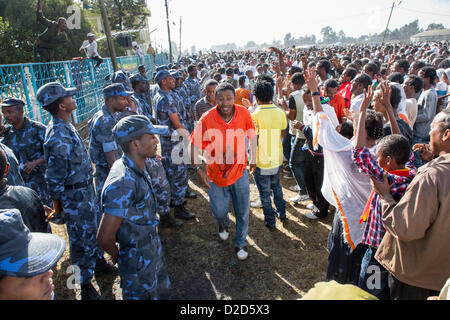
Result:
x=386 y=91
x=297 y=124
x=425 y=152
x=381 y=187
x=368 y=95
x=310 y=80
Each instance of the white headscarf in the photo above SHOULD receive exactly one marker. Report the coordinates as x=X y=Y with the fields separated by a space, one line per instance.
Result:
x=440 y=72
x=447 y=73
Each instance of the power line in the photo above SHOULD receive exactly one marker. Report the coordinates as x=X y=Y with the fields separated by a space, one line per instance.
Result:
x=433 y=13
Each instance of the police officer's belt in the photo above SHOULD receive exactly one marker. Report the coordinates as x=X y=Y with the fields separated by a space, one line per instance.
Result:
x=78 y=185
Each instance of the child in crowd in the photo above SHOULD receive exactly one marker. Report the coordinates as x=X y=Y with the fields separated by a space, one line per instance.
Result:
x=393 y=155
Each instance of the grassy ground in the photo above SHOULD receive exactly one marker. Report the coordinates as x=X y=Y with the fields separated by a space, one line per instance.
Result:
x=283 y=264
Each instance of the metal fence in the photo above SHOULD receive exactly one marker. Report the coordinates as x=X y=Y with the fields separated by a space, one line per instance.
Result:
x=23 y=80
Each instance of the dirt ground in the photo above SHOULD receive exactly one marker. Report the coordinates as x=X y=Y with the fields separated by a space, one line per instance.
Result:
x=283 y=264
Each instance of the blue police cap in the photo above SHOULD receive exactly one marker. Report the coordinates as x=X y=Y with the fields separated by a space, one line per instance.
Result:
x=121 y=77
x=24 y=253
x=9 y=102
x=163 y=67
x=132 y=127
x=161 y=75
x=137 y=77
x=176 y=74
x=116 y=89
x=53 y=91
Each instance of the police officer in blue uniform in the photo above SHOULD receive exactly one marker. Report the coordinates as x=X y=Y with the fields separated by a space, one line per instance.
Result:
x=134 y=106
x=194 y=89
x=102 y=145
x=167 y=115
x=155 y=168
x=129 y=219
x=140 y=88
x=69 y=181
x=26 y=138
x=180 y=94
x=13 y=176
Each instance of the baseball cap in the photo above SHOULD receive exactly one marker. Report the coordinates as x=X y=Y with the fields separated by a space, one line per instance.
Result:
x=121 y=77
x=10 y=101
x=116 y=89
x=161 y=75
x=137 y=77
x=24 y=253
x=53 y=91
x=176 y=74
x=90 y=34
x=163 y=67
x=133 y=127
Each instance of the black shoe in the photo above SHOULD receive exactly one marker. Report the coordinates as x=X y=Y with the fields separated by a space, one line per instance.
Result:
x=103 y=268
x=190 y=195
x=167 y=221
x=268 y=226
x=88 y=292
x=282 y=218
x=182 y=213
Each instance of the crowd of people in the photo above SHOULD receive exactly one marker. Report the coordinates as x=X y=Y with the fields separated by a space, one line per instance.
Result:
x=361 y=128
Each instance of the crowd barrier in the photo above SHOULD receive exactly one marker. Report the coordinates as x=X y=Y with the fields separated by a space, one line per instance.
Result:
x=23 y=80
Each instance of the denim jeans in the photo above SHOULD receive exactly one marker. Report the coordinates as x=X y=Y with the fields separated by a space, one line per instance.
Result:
x=219 y=200
x=265 y=181
x=297 y=162
x=418 y=162
x=374 y=277
x=287 y=143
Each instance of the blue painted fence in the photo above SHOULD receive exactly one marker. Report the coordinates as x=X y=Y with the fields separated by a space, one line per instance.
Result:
x=23 y=80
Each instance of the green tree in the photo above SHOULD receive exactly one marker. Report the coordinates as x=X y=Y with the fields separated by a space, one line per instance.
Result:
x=288 y=40
x=251 y=44
x=124 y=14
x=328 y=35
x=7 y=50
x=22 y=29
x=434 y=26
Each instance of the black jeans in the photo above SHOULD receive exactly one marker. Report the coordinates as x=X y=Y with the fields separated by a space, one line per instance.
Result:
x=403 y=291
x=313 y=181
x=374 y=277
x=99 y=60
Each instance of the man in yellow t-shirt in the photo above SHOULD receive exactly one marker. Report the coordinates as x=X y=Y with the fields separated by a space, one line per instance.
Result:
x=270 y=123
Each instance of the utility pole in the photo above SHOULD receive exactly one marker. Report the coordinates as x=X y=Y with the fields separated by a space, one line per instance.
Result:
x=179 y=56
x=390 y=15
x=168 y=31
x=112 y=50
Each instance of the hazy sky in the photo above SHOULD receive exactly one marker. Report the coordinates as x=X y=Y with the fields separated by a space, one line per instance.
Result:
x=207 y=23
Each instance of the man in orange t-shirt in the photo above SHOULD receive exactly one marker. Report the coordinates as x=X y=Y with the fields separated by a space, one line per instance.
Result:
x=224 y=132
x=242 y=92
x=330 y=89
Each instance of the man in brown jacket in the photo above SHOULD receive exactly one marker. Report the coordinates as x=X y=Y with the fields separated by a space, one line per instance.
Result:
x=415 y=247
